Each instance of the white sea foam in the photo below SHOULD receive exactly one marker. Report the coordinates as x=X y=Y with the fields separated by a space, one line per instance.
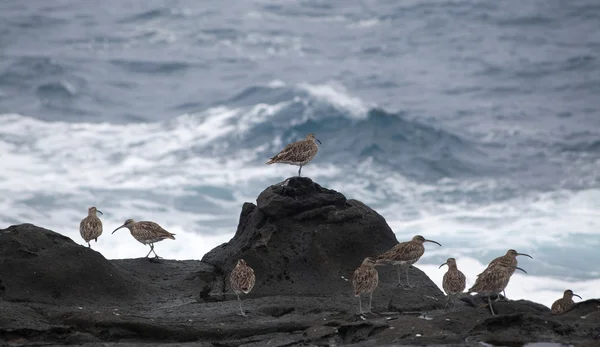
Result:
x=335 y=94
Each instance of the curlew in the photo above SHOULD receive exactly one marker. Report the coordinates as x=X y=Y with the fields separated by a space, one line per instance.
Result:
x=454 y=281
x=509 y=260
x=492 y=281
x=405 y=254
x=147 y=233
x=365 y=280
x=242 y=280
x=90 y=227
x=297 y=153
x=564 y=304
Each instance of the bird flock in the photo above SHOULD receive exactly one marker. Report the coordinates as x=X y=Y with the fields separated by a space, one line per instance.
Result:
x=491 y=282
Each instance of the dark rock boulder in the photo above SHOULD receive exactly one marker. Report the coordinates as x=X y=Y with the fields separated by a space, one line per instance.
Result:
x=39 y=265
x=303 y=239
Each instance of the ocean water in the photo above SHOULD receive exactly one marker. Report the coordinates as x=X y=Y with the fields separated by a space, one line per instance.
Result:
x=473 y=123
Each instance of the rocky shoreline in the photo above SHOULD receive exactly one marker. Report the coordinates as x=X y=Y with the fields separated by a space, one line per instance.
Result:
x=303 y=241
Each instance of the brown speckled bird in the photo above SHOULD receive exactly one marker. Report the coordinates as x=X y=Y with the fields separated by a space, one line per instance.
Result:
x=509 y=260
x=242 y=280
x=147 y=233
x=90 y=227
x=492 y=281
x=297 y=153
x=405 y=254
x=454 y=281
x=564 y=304
x=365 y=280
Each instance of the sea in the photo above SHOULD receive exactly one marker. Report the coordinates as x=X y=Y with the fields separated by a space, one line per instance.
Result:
x=473 y=123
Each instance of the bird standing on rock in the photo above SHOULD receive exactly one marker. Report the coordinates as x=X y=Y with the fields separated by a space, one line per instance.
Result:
x=509 y=260
x=242 y=280
x=147 y=233
x=365 y=280
x=564 y=304
x=297 y=153
x=454 y=281
x=492 y=281
x=90 y=227
x=405 y=254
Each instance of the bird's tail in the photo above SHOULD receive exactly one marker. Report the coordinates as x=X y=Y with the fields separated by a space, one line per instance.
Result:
x=172 y=236
x=271 y=161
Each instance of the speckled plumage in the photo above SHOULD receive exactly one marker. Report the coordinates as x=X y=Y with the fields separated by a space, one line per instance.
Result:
x=146 y=232
x=364 y=280
x=565 y=303
x=405 y=254
x=509 y=260
x=492 y=281
x=90 y=227
x=454 y=281
x=297 y=153
x=242 y=280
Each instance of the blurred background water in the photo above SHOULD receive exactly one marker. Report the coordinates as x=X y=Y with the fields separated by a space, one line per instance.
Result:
x=473 y=123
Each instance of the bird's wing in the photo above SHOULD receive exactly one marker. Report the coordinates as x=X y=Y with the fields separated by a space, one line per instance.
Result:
x=296 y=152
x=155 y=228
x=363 y=279
x=242 y=278
x=403 y=251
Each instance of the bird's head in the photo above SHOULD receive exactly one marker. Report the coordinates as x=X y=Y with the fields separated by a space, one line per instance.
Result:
x=128 y=224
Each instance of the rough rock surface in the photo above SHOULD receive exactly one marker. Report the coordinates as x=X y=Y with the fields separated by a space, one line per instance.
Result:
x=56 y=292
x=303 y=239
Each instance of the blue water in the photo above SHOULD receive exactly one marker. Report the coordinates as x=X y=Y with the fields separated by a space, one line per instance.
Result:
x=473 y=123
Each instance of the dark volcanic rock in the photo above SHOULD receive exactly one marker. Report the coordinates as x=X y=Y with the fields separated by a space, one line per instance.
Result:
x=55 y=292
x=303 y=239
x=39 y=265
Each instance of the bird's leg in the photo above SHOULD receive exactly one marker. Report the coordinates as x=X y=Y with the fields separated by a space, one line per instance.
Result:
x=360 y=311
x=370 y=299
x=151 y=250
x=155 y=255
x=504 y=294
x=89 y=246
x=407 y=282
x=491 y=307
x=300 y=170
x=241 y=309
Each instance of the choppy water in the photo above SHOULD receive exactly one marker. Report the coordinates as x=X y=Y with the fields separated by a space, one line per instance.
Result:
x=473 y=123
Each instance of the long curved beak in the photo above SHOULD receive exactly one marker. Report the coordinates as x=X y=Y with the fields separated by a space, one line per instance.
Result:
x=122 y=226
x=446 y=263
x=318 y=141
x=577 y=296
x=516 y=267
x=433 y=242
x=527 y=255
x=100 y=212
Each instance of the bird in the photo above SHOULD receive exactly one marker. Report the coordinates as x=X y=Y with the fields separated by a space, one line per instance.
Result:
x=90 y=227
x=297 y=153
x=242 y=280
x=564 y=304
x=510 y=260
x=454 y=281
x=364 y=280
x=492 y=281
x=147 y=233
x=405 y=254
